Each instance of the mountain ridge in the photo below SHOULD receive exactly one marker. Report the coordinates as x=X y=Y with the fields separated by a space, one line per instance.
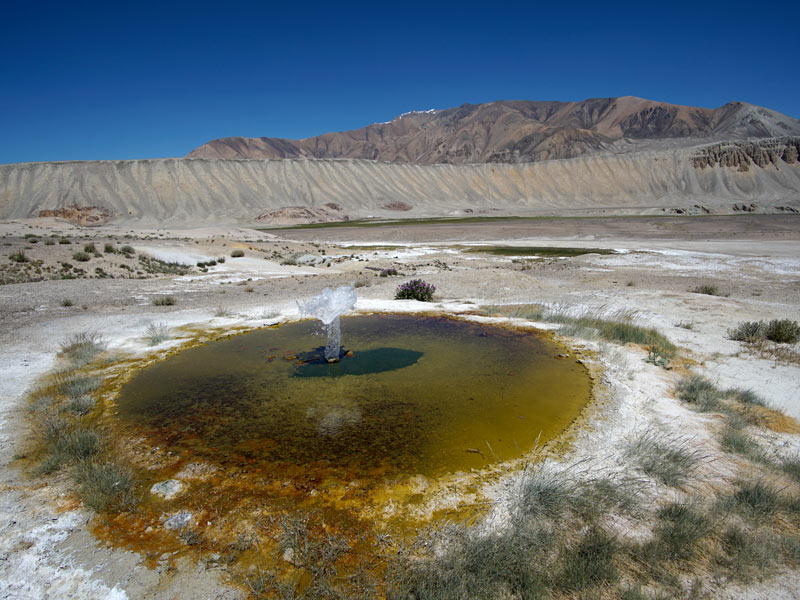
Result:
x=517 y=131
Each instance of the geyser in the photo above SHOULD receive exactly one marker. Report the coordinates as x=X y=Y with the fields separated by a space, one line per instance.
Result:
x=328 y=307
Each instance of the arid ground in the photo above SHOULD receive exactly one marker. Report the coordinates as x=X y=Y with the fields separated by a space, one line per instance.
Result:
x=693 y=279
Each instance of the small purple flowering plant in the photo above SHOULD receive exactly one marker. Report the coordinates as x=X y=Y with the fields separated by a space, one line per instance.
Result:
x=416 y=289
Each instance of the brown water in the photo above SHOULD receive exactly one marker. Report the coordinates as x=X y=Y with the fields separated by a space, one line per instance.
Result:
x=419 y=395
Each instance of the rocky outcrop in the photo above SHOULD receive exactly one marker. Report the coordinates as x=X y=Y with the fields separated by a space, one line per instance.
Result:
x=517 y=132
x=87 y=216
x=741 y=155
x=196 y=192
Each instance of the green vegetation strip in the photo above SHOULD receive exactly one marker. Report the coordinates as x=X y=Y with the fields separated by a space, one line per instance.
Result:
x=536 y=251
x=621 y=327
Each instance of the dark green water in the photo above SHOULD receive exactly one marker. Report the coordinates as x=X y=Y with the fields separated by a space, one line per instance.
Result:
x=420 y=395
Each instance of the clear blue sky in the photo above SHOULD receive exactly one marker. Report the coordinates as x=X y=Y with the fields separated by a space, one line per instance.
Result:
x=117 y=80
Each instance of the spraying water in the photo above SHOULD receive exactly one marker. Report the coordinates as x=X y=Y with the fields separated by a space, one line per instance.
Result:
x=328 y=307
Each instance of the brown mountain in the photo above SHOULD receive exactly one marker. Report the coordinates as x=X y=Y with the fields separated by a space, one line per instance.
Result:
x=519 y=132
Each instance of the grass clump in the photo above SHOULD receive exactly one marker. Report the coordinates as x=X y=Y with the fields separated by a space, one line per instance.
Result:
x=90 y=248
x=18 y=257
x=66 y=302
x=82 y=405
x=753 y=499
x=678 y=533
x=238 y=253
x=700 y=393
x=157 y=333
x=164 y=301
x=791 y=466
x=470 y=565
x=746 y=556
x=81 y=256
x=82 y=347
x=105 y=486
x=708 y=289
x=590 y=562
x=734 y=439
x=416 y=289
x=76 y=386
x=65 y=443
x=664 y=458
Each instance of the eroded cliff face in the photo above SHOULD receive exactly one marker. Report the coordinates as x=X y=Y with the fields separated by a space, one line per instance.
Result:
x=741 y=155
x=192 y=192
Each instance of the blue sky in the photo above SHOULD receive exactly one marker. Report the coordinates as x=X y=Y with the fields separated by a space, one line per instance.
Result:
x=153 y=79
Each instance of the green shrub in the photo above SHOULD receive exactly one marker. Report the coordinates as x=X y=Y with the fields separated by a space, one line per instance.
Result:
x=783 y=331
x=90 y=248
x=748 y=331
x=164 y=301
x=64 y=241
x=66 y=302
x=81 y=256
x=18 y=257
x=237 y=253
x=109 y=249
x=127 y=250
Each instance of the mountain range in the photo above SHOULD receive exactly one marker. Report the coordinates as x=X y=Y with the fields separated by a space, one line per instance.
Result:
x=519 y=132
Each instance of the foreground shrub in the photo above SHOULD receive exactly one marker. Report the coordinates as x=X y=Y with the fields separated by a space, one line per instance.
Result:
x=81 y=256
x=237 y=254
x=18 y=256
x=416 y=289
x=105 y=486
x=164 y=301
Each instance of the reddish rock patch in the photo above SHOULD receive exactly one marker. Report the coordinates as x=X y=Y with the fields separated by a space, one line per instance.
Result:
x=87 y=216
x=397 y=206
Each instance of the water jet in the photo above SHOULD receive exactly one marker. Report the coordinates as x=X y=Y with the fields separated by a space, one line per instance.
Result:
x=328 y=307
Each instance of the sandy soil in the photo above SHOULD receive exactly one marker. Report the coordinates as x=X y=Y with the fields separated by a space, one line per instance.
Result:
x=46 y=549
